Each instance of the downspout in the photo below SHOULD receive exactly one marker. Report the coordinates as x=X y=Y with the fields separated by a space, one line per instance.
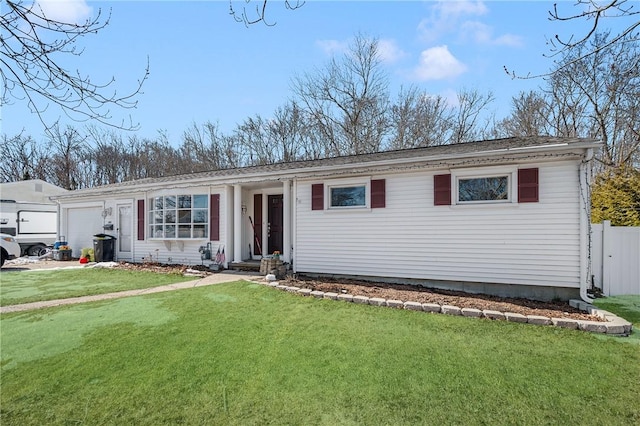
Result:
x=58 y=220
x=294 y=224
x=585 y=226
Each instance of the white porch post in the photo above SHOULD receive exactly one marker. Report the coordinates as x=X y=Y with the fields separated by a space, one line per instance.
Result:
x=286 y=220
x=237 y=223
x=228 y=229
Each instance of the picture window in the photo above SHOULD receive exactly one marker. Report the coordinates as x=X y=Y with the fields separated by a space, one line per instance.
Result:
x=179 y=216
x=348 y=196
x=484 y=189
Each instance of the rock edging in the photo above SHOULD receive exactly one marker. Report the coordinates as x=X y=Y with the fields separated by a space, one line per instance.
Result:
x=611 y=325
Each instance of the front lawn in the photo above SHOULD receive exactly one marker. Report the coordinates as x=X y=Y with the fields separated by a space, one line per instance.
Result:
x=35 y=286
x=241 y=353
x=627 y=307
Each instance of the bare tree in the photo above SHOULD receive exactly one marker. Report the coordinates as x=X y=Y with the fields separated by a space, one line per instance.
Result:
x=108 y=154
x=32 y=49
x=607 y=84
x=466 y=120
x=347 y=101
x=418 y=119
x=22 y=158
x=206 y=148
x=596 y=12
x=593 y=12
x=287 y=131
x=528 y=116
x=70 y=158
x=253 y=12
x=256 y=147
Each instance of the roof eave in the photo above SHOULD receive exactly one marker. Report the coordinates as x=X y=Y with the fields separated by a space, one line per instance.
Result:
x=278 y=175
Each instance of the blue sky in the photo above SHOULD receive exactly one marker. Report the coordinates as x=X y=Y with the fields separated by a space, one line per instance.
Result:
x=204 y=66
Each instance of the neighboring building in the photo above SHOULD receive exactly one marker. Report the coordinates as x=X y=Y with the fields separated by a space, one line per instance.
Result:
x=507 y=216
x=30 y=191
x=27 y=213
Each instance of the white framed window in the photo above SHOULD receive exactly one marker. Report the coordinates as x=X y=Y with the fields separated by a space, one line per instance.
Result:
x=183 y=216
x=471 y=187
x=348 y=194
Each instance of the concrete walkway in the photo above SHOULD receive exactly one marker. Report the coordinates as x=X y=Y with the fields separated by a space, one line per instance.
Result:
x=220 y=278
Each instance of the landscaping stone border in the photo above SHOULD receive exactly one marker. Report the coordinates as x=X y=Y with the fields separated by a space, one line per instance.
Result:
x=612 y=324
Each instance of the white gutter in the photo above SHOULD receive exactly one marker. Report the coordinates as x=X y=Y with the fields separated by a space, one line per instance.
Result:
x=585 y=228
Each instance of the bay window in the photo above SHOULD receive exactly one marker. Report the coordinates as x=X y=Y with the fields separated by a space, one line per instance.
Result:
x=179 y=216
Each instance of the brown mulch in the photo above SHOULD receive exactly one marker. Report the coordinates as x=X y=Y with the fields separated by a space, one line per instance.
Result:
x=460 y=299
x=162 y=268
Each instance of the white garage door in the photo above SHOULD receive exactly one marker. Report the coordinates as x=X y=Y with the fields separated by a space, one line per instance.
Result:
x=82 y=224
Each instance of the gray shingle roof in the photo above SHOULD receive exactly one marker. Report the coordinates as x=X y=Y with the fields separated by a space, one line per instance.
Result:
x=442 y=152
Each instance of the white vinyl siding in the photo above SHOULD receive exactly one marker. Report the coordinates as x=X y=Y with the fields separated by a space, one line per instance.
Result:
x=80 y=224
x=514 y=243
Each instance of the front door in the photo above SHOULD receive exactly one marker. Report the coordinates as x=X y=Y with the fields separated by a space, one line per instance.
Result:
x=275 y=222
x=125 y=228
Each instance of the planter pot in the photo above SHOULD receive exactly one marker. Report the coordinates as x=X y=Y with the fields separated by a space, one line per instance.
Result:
x=61 y=254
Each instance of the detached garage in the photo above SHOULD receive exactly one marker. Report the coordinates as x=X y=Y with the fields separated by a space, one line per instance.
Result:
x=79 y=226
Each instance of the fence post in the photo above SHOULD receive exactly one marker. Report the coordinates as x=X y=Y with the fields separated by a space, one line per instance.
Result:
x=606 y=257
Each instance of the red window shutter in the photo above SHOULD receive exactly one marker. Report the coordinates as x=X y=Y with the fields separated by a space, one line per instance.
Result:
x=214 y=218
x=140 y=220
x=442 y=190
x=257 y=222
x=317 y=196
x=378 y=193
x=528 y=185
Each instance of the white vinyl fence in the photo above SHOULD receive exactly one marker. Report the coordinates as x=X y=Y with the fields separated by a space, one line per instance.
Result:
x=615 y=255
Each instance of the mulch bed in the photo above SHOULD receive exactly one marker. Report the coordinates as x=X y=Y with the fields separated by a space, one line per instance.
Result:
x=460 y=299
x=160 y=268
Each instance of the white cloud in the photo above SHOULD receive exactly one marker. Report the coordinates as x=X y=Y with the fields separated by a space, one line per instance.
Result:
x=476 y=31
x=331 y=47
x=509 y=40
x=457 y=8
x=460 y=17
x=481 y=33
x=67 y=11
x=446 y=16
x=437 y=63
x=389 y=51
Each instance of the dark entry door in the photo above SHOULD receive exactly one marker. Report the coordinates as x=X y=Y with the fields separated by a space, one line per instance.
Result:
x=274 y=226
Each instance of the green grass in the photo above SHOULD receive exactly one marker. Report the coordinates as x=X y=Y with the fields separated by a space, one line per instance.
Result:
x=627 y=307
x=35 y=286
x=241 y=354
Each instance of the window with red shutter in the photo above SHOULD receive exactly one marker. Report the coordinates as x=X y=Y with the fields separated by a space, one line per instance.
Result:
x=140 y=220
x=528 y=185
x=442 y=190
x=378 y=195
x=214 y=217
x=257 y=223
x=317 y=196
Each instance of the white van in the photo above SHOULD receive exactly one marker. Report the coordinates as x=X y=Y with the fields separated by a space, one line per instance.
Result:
x=9 y=248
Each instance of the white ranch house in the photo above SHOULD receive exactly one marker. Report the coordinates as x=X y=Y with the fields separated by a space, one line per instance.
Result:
x=507 y=216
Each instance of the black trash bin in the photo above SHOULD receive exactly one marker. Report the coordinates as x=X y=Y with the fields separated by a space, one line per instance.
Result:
x=104 y=247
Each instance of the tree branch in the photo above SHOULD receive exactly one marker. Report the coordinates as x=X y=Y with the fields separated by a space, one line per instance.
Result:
x=30 y=69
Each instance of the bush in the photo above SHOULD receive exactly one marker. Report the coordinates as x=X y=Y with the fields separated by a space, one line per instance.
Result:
x=615 y=196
